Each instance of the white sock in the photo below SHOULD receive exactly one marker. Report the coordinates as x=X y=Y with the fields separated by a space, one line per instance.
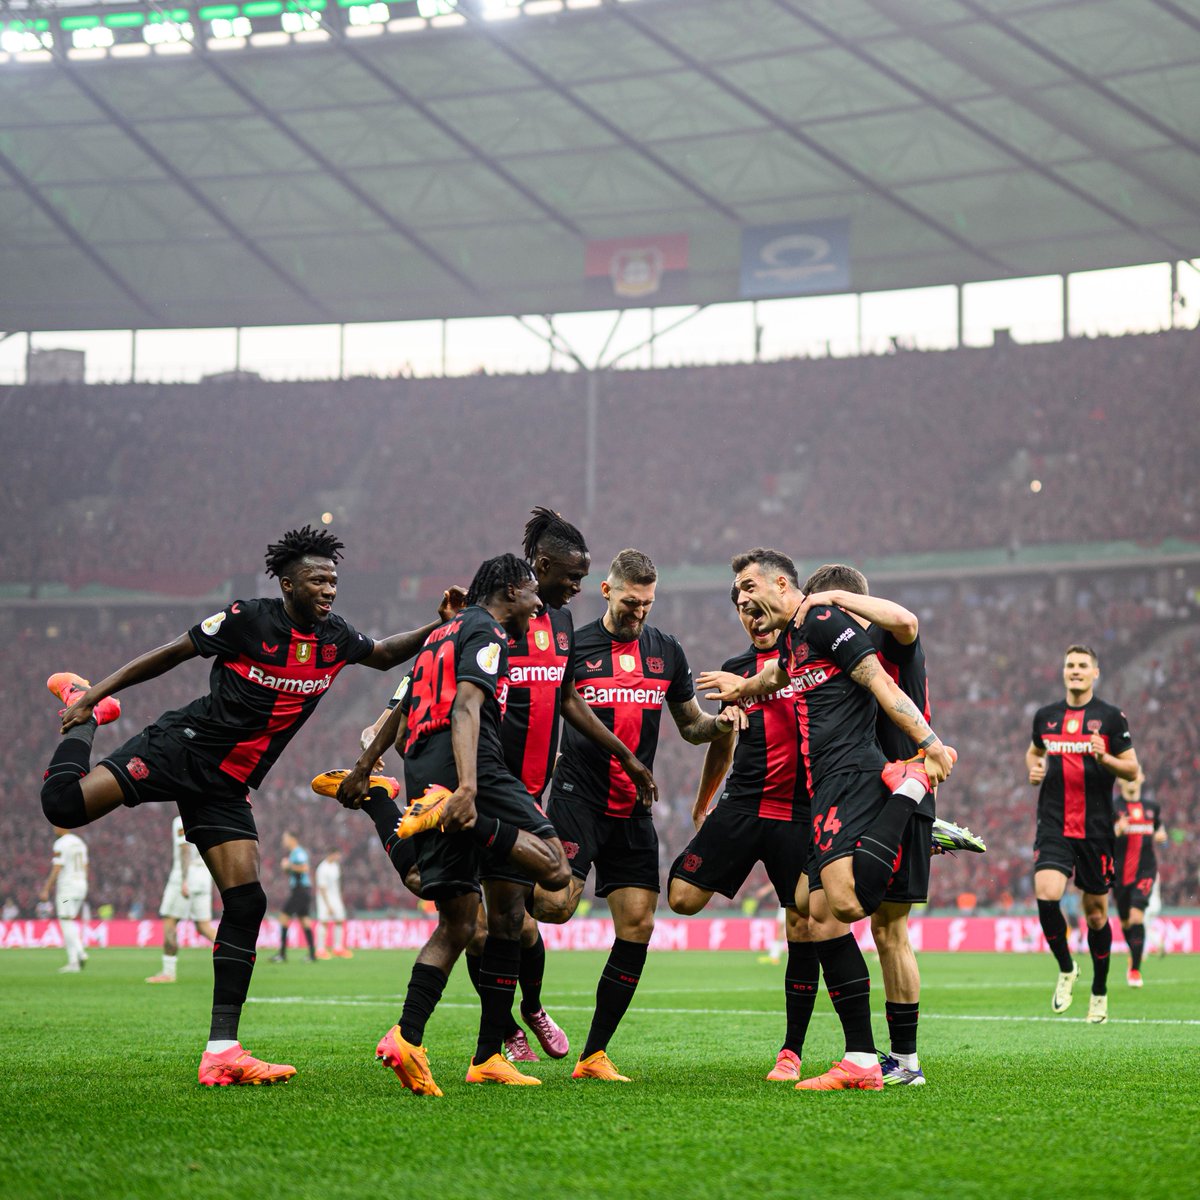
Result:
x=170 y=961
x=912 y=789
x=860 y=1058
x=217 y=1045
x=339 y=936
x=907 y=1060
x=72 y=941
x=320 y=938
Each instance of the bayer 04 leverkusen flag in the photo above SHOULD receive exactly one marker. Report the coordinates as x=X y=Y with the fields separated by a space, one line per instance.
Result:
x=633 y=269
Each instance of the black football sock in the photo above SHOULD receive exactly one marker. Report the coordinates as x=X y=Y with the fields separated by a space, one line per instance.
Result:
x=385 y=813
x=473 y=961
x=233 y=954
x=801 y=978
x=1135 y=937
x=1100 y=945
x=877 y=852
x=498 y=967
x=1054 y=929
x=614 y=992
x=902 y=1026
x=285 y=928
x=62 y=797
x=308 y=937
x=495 y=835
x=425 y=987
x=533 y=966
x=849 y=986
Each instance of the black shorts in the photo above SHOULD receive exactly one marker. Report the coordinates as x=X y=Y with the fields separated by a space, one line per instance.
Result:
x=844 y=806
x=1089 y=859
x=153 y=768
x=299 y=902
x=726 y=847
x=452 y=864
x=1133 y=895
x=624 y=850
x=910 y=882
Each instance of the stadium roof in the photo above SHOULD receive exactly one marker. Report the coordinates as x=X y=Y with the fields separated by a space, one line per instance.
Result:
x=266 y=162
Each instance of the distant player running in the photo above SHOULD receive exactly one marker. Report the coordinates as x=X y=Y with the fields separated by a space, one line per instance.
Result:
x=1138 y=829
x=1078 y=746
x=274 y=660
x=331 y=908
x=857 y=825
x=186 y=897
x=68 y=880
x=762 y=816
x=625 y=671
x=298 y=906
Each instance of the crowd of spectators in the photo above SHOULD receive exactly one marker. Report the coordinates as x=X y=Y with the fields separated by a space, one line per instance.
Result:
x=157 y=487
x=995 y=652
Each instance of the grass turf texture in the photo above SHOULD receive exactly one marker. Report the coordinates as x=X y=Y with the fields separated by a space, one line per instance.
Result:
x=99 y=1097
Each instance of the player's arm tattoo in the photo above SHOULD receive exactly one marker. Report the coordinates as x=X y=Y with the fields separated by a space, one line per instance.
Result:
x=696 y=726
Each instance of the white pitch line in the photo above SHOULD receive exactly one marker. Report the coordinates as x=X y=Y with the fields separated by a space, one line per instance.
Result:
x=774 y=1014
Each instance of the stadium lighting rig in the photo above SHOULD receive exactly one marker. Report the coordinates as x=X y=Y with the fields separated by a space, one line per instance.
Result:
x=33 y=32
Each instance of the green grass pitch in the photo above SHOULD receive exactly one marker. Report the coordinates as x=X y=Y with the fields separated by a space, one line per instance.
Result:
x=98 y=1095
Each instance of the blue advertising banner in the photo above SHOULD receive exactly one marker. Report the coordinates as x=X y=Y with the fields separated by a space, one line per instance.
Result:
x=797 y=259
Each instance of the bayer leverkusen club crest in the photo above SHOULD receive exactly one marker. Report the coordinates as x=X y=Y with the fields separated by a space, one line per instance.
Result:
x=627 y=662
x=541 y=639
x=303 y=652
x=1072 y=726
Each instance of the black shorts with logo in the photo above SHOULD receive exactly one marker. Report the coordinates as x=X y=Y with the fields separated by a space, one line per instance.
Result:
x=299 y=901
x=154 y=768
x=844 y=806
x=726 y=847
x=910 y=882
x=1129 y=896
x=1089 y=859
x=624 y=850
x=451 y=864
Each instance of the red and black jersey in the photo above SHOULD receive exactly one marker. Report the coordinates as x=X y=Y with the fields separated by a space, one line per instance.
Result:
x=472 y=647
x=1076 y=797
x=836 y=716
x=267 y=679
x=626 y=685
x=538 y=669
x=1135 y=848
x=767 y=777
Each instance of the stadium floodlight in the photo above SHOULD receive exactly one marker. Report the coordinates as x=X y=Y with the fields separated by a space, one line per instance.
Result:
x=437 y=8
x=537 y=8
x=499 y=10
x=368 y=14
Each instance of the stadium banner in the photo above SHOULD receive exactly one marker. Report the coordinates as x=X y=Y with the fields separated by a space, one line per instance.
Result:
x=636 y=268
x=795 y=260
x=1021 y=935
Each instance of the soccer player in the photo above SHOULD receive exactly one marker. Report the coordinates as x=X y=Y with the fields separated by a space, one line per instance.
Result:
x=298 y=905
x=68 y=879
x=449 y=722
x=761 y=816
x=625 y=671
x=857 y=826
x=331 y=908
x=1079 y=745
x=186 y=897
x=274 y=660
x=895 y=633
x=1138 y=827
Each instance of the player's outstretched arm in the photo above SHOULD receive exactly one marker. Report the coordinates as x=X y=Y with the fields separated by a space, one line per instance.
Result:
x=699 y=727
x=391 y=651
x=905 y=715
x=150 y=665
x=580 y=716
x=728 y=687
x=887 y=614
x=717 y=760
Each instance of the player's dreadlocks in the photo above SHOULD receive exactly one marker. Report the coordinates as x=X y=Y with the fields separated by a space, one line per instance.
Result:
x=548 y=532
x=495 y=575
x=296 y=544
